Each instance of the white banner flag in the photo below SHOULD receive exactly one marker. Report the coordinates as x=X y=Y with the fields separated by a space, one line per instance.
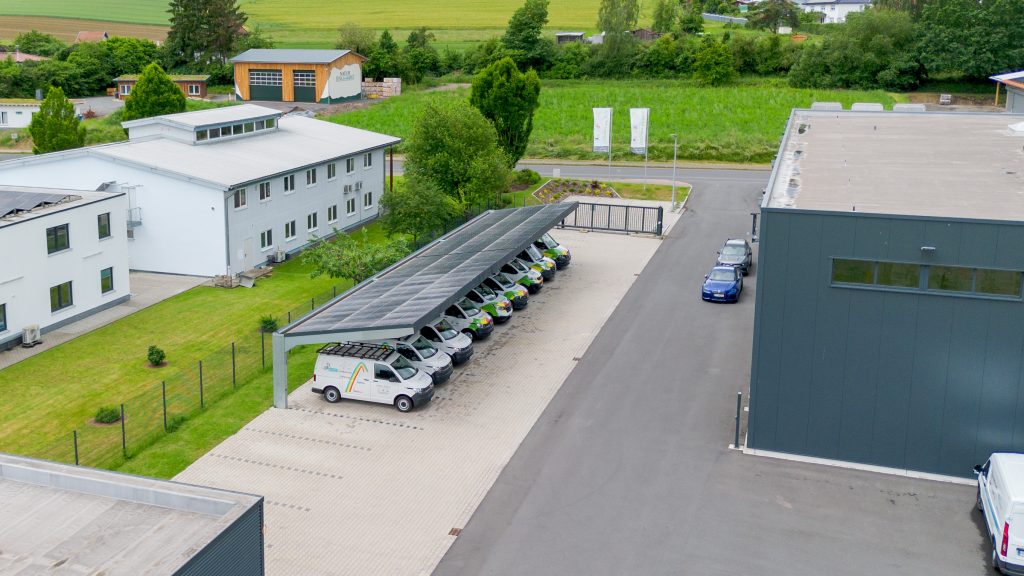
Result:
x=638 y=119
x=602 y=129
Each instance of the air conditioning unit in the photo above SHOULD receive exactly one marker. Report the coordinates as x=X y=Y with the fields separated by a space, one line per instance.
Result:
x=278 y=256
x=30 y=336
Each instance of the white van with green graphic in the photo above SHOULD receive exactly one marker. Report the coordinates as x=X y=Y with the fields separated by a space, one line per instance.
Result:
x=502 y=284
x=534 y=259
x=465 y=317
x=552 y=249
x=370 y=372
x=523 y=275
x=497 y=305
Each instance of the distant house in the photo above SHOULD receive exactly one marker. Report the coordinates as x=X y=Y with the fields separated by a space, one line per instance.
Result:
x=17 y=112
x=566 y=37
x=1014 y=82
x=645 y=35
x=91 y=36
x=19 y=56
x=298 y=75
x=193 y=85
x=835 y=11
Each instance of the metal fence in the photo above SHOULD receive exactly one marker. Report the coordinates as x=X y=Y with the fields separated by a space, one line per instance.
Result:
x=723 y=18
x=616 y=218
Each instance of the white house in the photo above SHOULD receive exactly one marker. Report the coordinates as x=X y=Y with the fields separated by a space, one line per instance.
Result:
x=17 y=112
x=835 y=11
x=65 y=256
x=224 y=190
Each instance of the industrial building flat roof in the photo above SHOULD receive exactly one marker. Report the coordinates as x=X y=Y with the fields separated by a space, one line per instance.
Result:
x=289 y=56
x=417 y=289
x=21 y=203
x=208 y=117
x=70 y=520
x=934 y=164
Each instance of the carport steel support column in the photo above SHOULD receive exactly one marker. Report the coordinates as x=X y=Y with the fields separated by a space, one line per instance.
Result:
x=280 y=357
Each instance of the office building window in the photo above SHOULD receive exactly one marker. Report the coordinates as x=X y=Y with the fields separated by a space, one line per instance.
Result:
x=350 y=206
x=311 y=222
x=60 y=296
x=3 y=317
x=264 y=191
x=289 y=230
x=106 y=280
x=239 y=198
x=367 y=160
x=311 y=177
x=103 y=224
x=368 y=200
x=289 y=183
x=332 y=213
x=350 y=165
x=57 y=239
x=332 y=171
x=266 y=239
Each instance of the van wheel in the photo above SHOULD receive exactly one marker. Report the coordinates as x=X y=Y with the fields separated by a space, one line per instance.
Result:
x=470 y=334
x=331 y=394
x=403 y=403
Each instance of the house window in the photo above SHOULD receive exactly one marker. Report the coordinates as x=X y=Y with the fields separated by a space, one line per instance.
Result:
x=60 y=297
x=264 y=191
x=3 y=118
x=332 y=213
x=57 y=239
x=3 y=317
x=367 y=160
x=103 y=223
x=126 y=89
x=350 y=165
x=311 y=222
x=266 y=239
x=289 y=230
x=350 y=206
x=239 y=199
x=106 y=280
x=368 y=200
x=311 y=177
x=332 y=171
x=193 y=89
x=289 y=183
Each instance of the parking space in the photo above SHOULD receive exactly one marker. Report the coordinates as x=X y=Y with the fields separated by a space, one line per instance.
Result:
x=359 y=488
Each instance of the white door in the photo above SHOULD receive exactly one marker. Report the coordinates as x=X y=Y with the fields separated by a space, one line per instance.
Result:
x=247 y=258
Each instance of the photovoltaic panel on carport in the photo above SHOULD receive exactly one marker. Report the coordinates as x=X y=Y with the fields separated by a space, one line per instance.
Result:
x=13 y=201
x=417 y=289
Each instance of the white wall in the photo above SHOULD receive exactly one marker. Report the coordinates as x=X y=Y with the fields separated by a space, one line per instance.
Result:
x=28 y=271
x=16 y=116
x=182 y=228
x=834 y=13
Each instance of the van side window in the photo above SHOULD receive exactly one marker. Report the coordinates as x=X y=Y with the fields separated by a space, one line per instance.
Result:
x=428 y=333
x=454 y=311
x=383 y=372
x=409 y=354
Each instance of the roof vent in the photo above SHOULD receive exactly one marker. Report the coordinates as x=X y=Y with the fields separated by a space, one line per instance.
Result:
x=867 y=107
x=829 y=106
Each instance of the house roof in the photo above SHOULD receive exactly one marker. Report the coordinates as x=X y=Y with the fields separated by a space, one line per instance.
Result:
x=174 y=77
x=289 y=56
x=19 y=56
x=1015 y=79
x=91 y=36
x=100 y=522
x=19 y=102
x=928 y=164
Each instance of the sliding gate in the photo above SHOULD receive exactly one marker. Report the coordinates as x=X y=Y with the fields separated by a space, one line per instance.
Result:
x=616 y=218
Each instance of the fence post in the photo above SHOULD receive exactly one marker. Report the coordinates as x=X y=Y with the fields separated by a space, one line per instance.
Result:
x=739 y=408
x=124 y=438
x=233 y=370
x=202 y=403
x=312 y=304
x=74 y=438
x=334 y=290
x=263 y=349
x=163 y=386
x=289 y=316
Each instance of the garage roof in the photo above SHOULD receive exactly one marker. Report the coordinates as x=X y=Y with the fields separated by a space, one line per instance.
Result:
x=289 y=56
x=417 y=289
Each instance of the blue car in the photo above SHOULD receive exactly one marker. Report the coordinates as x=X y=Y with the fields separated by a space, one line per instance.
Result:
x=722 y=284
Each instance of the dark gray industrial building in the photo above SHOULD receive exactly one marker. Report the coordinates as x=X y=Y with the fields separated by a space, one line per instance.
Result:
x=60 y=519
x=889 y=326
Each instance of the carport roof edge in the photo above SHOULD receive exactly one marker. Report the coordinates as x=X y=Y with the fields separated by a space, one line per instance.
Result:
x=419 y=287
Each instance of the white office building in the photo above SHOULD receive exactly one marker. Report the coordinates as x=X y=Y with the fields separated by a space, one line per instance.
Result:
x=224 y=190
x=63 y=256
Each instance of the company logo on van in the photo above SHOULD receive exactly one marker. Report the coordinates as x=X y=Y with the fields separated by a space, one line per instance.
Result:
x=355 y=374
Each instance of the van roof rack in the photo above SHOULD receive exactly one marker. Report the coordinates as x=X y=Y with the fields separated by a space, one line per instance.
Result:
x=357 y=350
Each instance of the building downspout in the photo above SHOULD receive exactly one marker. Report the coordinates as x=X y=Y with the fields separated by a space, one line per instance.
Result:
x=227 y=238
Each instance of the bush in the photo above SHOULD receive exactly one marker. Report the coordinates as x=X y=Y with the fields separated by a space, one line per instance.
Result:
x=525 y=177
x=156 y=356
x=268 y=323
x=175 y=422
x=108 y=415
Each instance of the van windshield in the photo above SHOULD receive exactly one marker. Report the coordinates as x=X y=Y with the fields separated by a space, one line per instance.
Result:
x=475 y=296
x=534 y=253
x=485 y=291
x=548 y=241
x=518 y=266
x=424 y=347
x=503 y=281
x=445 y=330
x=468 y=307
x=403 y=367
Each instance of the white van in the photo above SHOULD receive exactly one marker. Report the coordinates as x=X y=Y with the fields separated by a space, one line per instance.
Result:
x=370 y=372
x=423 y=355
x=1001 y=502
x=497 y=305
x=465 y=317
x=523 y=275
x=448 y=340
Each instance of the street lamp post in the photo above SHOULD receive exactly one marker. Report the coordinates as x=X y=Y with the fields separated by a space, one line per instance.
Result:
x=675 y=151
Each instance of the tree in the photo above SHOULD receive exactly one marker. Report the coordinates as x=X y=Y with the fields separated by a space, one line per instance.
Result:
x=665 y=14
x=55 y=127
x=508 y=98
x=357 y=258
x=691 y=22
x=714 y=64
x=417 y=208
x=92 y=61
x=523 y=39
x=154 y=94
x=771 y=14
x=975 y=38
x=202 y=31
x=456 y=149
x=354 y=37
x=130 y=55
x=385 y=61
x=35 y=42
x=420 y=58
x=616 y=19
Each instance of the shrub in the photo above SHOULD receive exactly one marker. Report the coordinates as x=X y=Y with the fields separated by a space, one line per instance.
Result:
x=156 y=356
x=175 y=422
x=108 y=415
x=268 y=323
x=525 y=177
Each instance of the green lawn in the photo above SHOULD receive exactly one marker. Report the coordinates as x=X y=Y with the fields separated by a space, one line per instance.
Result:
x=740 y=123
x=660 y=192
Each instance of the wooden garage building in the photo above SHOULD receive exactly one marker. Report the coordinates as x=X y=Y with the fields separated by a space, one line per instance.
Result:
x=285 y=75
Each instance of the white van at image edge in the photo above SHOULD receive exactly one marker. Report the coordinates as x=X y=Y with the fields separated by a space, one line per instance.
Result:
x=422 y=354
x=371 y=373
x=1001 y=502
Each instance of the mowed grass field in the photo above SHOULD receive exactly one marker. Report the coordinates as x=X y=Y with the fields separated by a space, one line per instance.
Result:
x=741 y=123
x=314 y=23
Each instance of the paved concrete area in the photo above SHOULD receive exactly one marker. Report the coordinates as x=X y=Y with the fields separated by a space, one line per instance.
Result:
x=359 y=488
x=628 y=470
x=147 y=288
x=101 y=105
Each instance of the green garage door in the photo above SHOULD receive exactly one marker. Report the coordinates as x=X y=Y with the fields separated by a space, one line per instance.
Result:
x=265 y=85
x=304 y=82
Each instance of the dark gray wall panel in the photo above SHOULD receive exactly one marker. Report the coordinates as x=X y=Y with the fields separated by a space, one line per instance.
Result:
x=928 y=385
x=963 y=387
x=859 y=393
x=895 y=370
x=237 y=551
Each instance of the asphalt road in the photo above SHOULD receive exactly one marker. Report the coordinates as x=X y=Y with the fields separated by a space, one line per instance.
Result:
x=628 y=470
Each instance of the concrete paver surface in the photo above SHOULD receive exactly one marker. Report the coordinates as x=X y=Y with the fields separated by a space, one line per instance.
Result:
x=628 y=470
x=359 y=488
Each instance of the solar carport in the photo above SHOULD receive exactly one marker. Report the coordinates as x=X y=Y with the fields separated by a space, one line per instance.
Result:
x=410 y=294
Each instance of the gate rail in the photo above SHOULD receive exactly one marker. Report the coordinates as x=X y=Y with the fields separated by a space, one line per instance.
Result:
x=616 y=218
